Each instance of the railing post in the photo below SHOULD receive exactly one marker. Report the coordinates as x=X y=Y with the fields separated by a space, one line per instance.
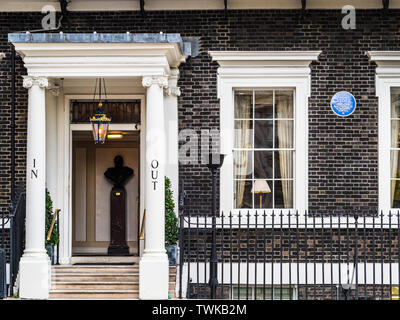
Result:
x=214 y=163
x=58 y=244
x=181 y=253
x=12 y=254
x=214 y=261
x=356 y=251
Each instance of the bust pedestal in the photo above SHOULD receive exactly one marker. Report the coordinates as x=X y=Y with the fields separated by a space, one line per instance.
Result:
x=118 y=175
x=118 y=245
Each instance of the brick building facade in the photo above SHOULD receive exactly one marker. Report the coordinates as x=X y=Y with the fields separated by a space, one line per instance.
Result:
x=343 y=152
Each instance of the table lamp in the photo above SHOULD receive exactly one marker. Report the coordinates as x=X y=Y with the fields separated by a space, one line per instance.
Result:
x=260 y=187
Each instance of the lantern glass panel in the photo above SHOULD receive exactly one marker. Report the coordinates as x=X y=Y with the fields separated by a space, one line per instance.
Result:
x=99 y=131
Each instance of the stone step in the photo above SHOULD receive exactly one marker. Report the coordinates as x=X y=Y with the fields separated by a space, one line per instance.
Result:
x=98 y=285
x=95 y=277
x=104 y=259
x=100 y=282
x=91 y=269
x=94 y=294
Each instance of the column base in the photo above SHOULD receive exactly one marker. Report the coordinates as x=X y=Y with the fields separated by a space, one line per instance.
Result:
x=153 y=276
x=35 y=279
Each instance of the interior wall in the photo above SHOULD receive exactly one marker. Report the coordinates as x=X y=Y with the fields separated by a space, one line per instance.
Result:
x=104 y=160
x=91 y=195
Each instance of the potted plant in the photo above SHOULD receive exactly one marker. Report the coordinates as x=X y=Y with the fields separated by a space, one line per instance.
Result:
x=171 y=225
x=54 y=238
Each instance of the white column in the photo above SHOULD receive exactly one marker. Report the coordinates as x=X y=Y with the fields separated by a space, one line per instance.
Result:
x=51 y=143
x=171 y=123
x=153 y=266
x=35 y=263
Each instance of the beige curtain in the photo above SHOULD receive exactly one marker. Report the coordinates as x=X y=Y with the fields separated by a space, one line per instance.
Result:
x=242 y=140
x=285 y=140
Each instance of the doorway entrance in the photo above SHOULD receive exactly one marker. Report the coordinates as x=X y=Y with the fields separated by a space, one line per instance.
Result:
x=91 y=214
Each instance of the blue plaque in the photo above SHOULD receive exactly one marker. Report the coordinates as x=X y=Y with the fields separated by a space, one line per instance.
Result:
x=343 y=103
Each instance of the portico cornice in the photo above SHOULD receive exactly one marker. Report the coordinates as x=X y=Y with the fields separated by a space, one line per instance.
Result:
x=77 y=60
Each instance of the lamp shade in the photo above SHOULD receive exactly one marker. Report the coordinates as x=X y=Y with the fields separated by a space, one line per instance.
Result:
x=260 y=186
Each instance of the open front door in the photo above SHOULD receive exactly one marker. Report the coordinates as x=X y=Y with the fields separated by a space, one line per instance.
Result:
x=91 y=192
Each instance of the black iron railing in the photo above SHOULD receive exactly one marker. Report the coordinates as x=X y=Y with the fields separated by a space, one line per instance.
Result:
x=12 y=237
x=290 y=255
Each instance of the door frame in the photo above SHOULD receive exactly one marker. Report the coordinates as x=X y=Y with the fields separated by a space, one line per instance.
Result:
x=64 y=183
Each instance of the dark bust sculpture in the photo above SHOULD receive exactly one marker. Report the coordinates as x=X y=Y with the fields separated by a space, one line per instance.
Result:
x=118 y=175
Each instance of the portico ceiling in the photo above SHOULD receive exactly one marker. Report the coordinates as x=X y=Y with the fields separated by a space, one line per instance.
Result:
x=105 y=55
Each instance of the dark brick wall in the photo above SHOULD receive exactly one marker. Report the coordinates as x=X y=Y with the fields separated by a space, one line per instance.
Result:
x=309 y=292
x=342 y=152
x=294 y=245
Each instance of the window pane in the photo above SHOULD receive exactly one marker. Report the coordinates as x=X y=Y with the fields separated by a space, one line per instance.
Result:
x=243 y=195
x=394 y=164
x=395 y=97
x=283 y=194
x=243 y=104
x=243 y=133
x=260 y=293
x=263 y=165
x=242 y=291
x=284 y=104
x=283 y=164
x=263 y=133
x=262 y=197
x=395 y=134
x=395 y=193
x=286 y=292
x=263 y=106
x=284 y=134
x=243 y=164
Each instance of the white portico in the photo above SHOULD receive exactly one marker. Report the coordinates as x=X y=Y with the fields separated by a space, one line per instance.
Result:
x=135 y=65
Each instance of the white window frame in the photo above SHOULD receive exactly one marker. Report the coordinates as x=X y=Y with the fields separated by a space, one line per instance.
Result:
x=387 y=76
x=273 y=149
x=264 y=70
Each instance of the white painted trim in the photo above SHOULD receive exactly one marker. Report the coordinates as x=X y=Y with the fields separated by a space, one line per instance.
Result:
x=387 y=76
x=264 y=69
x=283 y=221
x=150 y=5
x=111 y=127
x=65 y=146
x=83 y=60
x=6 y=223
x=319 y=269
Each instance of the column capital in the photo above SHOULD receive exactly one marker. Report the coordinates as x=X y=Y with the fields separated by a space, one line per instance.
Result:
x=30 y=81
x=148 y=81
x=173 y=89
x=53 y=89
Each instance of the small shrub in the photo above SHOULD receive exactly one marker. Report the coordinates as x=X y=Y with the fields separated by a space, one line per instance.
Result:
x=54 y=238
x=171 y=221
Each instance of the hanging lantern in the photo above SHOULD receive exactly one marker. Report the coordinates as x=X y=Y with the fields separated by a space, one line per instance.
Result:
x=100 y=121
